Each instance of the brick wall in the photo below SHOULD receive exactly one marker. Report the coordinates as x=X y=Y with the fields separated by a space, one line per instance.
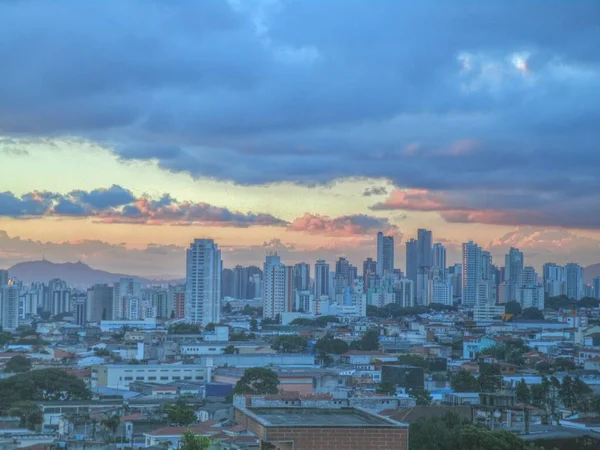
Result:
x=341 y=438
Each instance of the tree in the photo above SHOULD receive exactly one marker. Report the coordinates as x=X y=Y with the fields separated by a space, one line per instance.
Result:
x=257 y=381
x=190 y=441
x=580 y=388
x=562 y=364
x=289 y=344
x=532 y=314
x=463 y=381
x=328 y=344
x=513 y=308
x=42 y=385
x=566 y=392
x=489 y=379
x=421 y=396
x=368 y=341
x=179 y=413
x=184 y=328
x=230 y=350
x=111 y=423
x=29 y=412
x=522 y=391
x=227 y=308
x=253 y=325
x=413 y=360
x=18 y=364
x=322 y=321
x=386 y=388
x=588 y=302
x=102 y=352
x=209 y=327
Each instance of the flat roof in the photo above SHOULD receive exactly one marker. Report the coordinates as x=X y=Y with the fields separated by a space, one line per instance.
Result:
x=320 y=417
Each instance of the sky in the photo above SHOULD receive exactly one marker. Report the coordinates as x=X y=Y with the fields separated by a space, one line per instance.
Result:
x=128 y=128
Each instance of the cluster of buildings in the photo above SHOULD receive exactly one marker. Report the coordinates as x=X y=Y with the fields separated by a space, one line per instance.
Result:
x=122 y=341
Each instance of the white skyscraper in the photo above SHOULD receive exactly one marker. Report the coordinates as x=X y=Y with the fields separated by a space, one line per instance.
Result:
x=127 y=291
x=385 y=254
x=203 y=282
x=274 y=286
x=554 y=280
x=471 y=273
x=10 y=306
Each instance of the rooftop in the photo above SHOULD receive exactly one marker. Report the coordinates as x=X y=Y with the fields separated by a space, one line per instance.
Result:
x=319 y=417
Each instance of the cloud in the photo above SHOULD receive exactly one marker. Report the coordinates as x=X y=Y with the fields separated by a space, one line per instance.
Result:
x=547 y=245
x=342 y=226
x=489 y=101
x=375 y=190
x=500 y=207
x=119 y=205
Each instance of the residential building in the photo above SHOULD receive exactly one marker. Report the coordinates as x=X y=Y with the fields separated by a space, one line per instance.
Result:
x=99 y=303
x=471 y=273
x=554 y=280
x=119 y=376
x=3 y=277
x=574 y=281
x=412 y=262
x=597 y=288
x=274 y=289
x=10 y=305
x=513 y=273
x=385 y=254
x=203 y=282
x=302 y=276
x=321 y=279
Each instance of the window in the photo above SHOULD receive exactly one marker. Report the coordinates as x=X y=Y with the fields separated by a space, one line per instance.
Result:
x=176 y=378
x=164 y=378
x=128 y=378
x=199 y=378
x=187 y=378
x=139 y=378
x=151 y=378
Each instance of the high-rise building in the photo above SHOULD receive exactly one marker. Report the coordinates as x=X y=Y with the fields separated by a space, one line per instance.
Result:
x=574 y=279
x=471 y=273
x=3 y=277
x=385 y=254
x=412 y=262
x=203 y=282
x=99 y=303
x=596 y=286
x=425 y=239
x=127 y=291
x=80 y=311
x=513 y=273
x=274 y=286
x=321 y=279
x=10 y=306
x=439 y=260
x=369 y=274
x=554 y=280
x=227 y=283
x=302 y=276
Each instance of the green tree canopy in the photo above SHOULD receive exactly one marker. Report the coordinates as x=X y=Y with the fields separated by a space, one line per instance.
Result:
x=42 y=385
x=463 y=381
x=413 y=360
x=532 y=314
x=328 y=344
x=386 y=388
x=184 y=328
x=368 y=341
x=513 y=308
x=289 y=344
x=179 y=413
x=17 y=364
x=230 y=350
x=522 y=392
x=111 y=423
x=29 y=412
x=257 y=380
x=190 y=441
x=421 y=396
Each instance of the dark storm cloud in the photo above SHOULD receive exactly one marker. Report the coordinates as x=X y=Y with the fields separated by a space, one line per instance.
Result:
x=456 y=96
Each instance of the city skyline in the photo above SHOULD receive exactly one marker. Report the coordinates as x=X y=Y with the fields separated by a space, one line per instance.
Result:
x=253 y=133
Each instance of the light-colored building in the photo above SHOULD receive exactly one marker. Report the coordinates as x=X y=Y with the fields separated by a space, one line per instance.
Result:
x=471 y=272
x=119 y=376
x=485 y=313
x=112 y=325
x=574 y=279
x=10 y=306
x=203 y=282
x=385 y=254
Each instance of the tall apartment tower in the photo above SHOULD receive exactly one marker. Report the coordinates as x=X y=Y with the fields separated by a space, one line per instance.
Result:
x=3 y=277
x=575 y=284
x=471 y=272
x=203 y=282
x=438 y=254
x=385 y=254
x=321 y=279
x=596 y=285
x=513 y=273
x=302 y=276
x=278 y=287
x=10 y=306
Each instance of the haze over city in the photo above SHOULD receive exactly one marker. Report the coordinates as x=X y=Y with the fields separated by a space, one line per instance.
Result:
x=301 y=127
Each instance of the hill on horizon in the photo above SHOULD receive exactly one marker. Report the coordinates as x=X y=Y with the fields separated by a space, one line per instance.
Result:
x=75 y=274
x=591 y=272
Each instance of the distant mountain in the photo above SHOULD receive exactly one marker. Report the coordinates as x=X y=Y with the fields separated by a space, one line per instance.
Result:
x=591 y=272
x=75 y=274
